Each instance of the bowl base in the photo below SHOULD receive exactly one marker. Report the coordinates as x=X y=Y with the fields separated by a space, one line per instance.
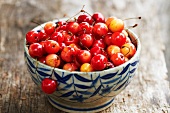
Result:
x=80 y=107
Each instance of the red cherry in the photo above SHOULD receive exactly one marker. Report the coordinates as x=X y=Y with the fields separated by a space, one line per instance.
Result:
x=70 y=67
x=32 y=37
x=95 y=50
x=108 y=39
x=36 y=50
x=98 y=17
x=49 y=28
x=99 y=43
x=84 y=28
x=48 y=85
x=99 y=62
x=71 y=39
x=86 y=40
x=100 y=29
x=58 y=37
x=118 y=38
x=52 y=46
x=68 y=54
x=42 y=36
x=83 y=56
x=73 y=27
x=117 y=59
x=42 y=59
x=85 y=18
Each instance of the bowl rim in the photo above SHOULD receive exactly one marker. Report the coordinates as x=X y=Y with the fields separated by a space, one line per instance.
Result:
x=138 y=50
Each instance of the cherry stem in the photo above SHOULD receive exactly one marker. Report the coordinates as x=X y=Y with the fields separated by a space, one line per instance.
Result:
x=76 y=14
x=132 y=18
x=129 y=27
x=37 y=23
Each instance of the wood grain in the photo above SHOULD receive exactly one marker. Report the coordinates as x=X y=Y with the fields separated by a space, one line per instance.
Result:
x=148 y=92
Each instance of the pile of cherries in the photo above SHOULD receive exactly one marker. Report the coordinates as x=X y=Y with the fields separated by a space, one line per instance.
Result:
x=86 y=43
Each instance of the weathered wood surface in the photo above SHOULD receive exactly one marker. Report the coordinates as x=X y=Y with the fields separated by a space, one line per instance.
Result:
x=148 y=92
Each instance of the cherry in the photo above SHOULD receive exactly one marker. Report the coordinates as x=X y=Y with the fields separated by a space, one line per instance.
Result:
x=72 y=27
x=108 y=20
x=99 y=43
x=70 y=67
x=116 y=25
x=42 y=36
x=32 y=37
x=128 y=50
x=42 y=59
x=117 y=59
x=98 y=17
x=58 y=37
x=52 y=60
x=48 y=85
x=68 y=54
x=100 y=29
x=108 y=39
x=96 y=50
x=84 y=28
x=83 y=56
x=71 y=39
x=86 y=67
x=36 y=50
x=51 y=46
x=86 y=40
x=112 y=49
x=118 y=38
x=85 y=18
x=49 y=28
x=99 y=62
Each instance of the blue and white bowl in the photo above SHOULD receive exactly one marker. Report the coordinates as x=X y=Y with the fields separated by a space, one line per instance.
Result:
x=84 y=91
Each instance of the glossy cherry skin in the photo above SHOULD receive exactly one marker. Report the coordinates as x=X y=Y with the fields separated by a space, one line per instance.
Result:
x=68 y=54
x=52 y=60
x=99 y=43
x=98 y=17
x=85 y=18
x=83 y=56
x=70 y=67
x=35 y=50
x=48 y=85
x=117 y=59
x=99 y=62
x=118 y=38
x=100 y=29
x=72 y=27
x=49 y=28
x=86 y=67
x=128 y=50
x=58 y=37
x=51 y=46
x=116 y=25
x=86 y=40
x=42 y=36
x=32 y=37
x=84 y=28
x=108 y=39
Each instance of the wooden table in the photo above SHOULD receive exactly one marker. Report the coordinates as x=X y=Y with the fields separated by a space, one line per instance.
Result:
x=148 y=92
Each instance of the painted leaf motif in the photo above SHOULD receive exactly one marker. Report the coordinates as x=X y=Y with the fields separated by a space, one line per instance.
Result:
x=43 y=69
x=95 y=81
x=67 y=94
x=97 y=91
x=82 y=78
x=132 y=71
x=85 y=92
x=66 y=87
x=30 y=69
x=82 y=86
x=108 y=76
x=124 y=83
x=31 y=64
x=116 y=80
x=134 y=63
x=42 y=73
x=124 y=69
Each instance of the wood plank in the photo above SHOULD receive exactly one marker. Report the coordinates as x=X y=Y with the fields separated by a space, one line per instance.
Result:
x=147 y=93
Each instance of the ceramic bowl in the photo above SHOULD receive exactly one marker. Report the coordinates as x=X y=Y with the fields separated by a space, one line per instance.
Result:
x=84 y=91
